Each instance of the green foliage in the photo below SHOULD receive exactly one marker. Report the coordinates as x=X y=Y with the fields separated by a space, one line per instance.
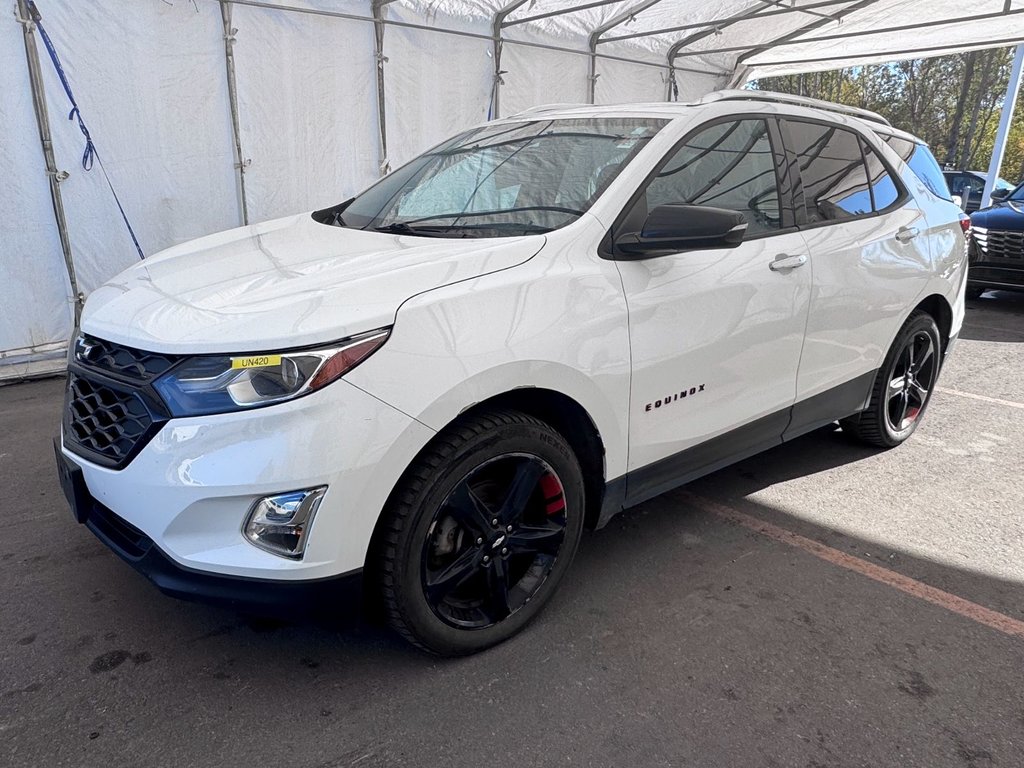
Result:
x=952 y=102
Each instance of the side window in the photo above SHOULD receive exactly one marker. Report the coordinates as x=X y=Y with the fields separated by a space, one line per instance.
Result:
x=729 y=165
x=835 y=180
x=957 y=182
x=923 y=163
x=884 y=191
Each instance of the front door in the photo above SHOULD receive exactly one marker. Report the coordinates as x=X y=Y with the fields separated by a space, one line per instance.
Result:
x=715 y=334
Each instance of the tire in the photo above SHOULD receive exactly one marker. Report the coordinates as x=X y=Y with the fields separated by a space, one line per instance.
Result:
x=897 y=406
x=451 y=581
x=975 y=291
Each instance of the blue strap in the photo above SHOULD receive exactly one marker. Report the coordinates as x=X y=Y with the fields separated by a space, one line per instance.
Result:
x=90 y=155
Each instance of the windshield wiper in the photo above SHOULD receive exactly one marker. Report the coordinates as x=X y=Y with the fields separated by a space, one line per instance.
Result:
x=402 y=228
x=467 y=214
x=441 y=230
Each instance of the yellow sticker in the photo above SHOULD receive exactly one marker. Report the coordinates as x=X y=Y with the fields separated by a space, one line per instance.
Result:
x=256 y=361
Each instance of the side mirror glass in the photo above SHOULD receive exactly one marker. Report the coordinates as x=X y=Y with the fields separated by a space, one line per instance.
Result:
x=679 y=227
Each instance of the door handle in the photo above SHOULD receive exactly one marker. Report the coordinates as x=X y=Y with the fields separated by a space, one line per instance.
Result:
x=783 y=261
x=906 y=234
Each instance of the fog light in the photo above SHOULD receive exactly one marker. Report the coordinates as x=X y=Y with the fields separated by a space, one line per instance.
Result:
x=280 y=524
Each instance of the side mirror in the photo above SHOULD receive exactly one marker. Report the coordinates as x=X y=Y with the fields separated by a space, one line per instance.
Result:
x=1000 y=194
x=678 y=227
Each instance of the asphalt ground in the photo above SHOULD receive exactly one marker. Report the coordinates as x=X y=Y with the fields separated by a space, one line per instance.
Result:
x=823 y=604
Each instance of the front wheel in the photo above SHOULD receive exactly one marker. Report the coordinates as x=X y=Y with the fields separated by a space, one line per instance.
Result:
x=479 y=533
x=903 y=387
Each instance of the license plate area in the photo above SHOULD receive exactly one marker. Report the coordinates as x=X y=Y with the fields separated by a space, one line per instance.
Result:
x=72 y=482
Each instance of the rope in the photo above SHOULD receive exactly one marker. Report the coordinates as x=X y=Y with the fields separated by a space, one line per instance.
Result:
x=90 y=155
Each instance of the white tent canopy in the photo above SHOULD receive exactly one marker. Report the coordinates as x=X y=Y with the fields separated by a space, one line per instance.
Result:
x=207 y=114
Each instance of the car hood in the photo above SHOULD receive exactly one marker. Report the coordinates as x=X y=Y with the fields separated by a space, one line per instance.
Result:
x=1005 y=215
x=285 y=283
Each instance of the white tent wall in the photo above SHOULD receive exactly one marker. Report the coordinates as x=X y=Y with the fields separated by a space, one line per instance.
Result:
x=539 y=76
x=306 y=105
x=422 y=109
x=620 y=81
x=150 y=77
x=37 y=306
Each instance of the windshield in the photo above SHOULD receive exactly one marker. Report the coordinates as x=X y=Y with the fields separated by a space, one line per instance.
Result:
x=501 y=180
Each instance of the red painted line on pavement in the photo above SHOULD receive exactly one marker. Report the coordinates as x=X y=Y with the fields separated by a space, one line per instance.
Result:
x=958 y=605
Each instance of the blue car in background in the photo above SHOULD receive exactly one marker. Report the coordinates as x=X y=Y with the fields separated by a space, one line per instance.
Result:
x=996 y=248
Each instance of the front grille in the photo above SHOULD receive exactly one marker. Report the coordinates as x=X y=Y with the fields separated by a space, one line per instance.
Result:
x=1000 y=245
x=111 y=411
x=122 y=361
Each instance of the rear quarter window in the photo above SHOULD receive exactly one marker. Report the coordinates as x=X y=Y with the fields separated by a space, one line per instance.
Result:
x=922 y=162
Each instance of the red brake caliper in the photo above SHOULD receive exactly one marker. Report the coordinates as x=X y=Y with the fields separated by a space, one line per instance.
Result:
x=554 y=501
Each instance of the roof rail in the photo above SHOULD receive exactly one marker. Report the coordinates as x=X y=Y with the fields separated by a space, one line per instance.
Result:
x=540 y=108
x=786 y=98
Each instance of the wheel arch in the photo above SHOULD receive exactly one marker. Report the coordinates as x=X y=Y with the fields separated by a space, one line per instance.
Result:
x=572 y=421
x=565 y=414
x=938 y=307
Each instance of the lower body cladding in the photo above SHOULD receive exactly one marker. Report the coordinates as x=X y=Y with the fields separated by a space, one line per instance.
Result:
x=177 y=512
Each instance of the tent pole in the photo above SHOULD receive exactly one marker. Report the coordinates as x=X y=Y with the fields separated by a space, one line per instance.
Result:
x=1009 y=102
x=622 y=17
x=55 y=177
x=378 y=50
x=592 y=71
x=497 y=23
x=229 y=60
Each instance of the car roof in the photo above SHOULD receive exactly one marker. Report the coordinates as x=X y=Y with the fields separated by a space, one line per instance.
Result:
x=673 y=109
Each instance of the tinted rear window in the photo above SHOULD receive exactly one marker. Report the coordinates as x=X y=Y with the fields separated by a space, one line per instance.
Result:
x=922 y=162
x=884 y=191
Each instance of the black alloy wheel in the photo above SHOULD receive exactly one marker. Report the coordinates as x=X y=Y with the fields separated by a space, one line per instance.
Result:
x=911 y=384
x=479 y=532
x=903 y=386
x=494 y=541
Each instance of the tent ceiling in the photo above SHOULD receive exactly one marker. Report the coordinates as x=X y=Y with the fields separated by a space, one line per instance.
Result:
x=750 y=37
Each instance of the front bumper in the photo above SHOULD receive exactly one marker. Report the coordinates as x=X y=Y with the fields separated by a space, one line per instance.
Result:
x=189 y=490
x=987 y=275
x=339 y=593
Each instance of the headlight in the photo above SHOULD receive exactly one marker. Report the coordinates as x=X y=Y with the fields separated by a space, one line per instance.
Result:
x=221 y=383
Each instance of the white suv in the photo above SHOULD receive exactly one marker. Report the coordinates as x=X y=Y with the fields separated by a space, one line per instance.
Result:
x=537 y=324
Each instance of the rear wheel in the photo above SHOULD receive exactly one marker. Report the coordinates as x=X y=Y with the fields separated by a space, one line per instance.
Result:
x=480 y=532
x=903 y=387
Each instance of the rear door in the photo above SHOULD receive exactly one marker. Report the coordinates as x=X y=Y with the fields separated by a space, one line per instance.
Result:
x=867 y=239
x=715 y=334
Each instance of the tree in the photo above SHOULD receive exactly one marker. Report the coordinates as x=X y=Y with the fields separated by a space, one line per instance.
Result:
x=951 y=102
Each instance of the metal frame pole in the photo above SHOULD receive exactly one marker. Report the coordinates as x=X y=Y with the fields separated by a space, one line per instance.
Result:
x=1009 y=103
x=241 y=163
x=378 y=50
x=597 y=34
x=55 y=177
x=497 y=23
x=799 y=31
x=673 y=51
x=865 y=32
